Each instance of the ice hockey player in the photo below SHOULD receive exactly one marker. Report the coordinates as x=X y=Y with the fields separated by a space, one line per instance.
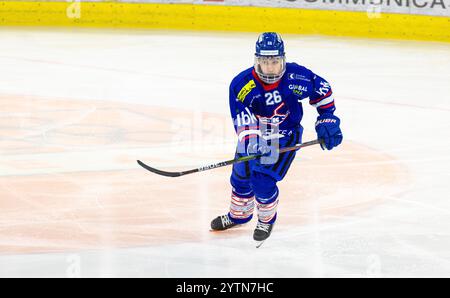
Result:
x=266 y=107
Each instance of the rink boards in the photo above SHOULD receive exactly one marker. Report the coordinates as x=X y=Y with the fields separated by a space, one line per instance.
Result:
x=225 y=18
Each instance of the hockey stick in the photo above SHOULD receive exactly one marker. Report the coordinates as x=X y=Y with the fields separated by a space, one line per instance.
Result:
x=224 y=163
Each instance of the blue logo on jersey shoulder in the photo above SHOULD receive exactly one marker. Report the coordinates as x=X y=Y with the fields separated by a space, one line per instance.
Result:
x=296 y=76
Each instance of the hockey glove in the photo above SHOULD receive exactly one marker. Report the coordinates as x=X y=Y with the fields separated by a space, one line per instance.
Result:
x=327 y=128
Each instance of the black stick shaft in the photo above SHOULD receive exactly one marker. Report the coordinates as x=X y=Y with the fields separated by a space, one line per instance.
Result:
x=223 y=163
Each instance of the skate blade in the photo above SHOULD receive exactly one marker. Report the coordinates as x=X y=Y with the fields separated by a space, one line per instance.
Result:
x=259 y=243
x=236 y=226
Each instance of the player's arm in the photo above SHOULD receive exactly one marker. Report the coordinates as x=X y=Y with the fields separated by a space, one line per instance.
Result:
x=246 y=125
x=327 y=124
x=322 y=96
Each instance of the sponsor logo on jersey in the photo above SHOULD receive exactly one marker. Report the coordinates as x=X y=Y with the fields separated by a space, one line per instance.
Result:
x=246 y=90
x=298 y=89
x=295 y=76
x=275 y=133
x=323 y=90
x=246 y=117
x=298 y=92
x=276 y=119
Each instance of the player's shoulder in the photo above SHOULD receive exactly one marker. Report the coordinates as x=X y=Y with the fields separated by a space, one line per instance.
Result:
x=243 y=84
x=242 y=78
x=296 y=71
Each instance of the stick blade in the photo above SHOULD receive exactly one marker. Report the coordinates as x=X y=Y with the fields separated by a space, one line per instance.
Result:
x=159 y=172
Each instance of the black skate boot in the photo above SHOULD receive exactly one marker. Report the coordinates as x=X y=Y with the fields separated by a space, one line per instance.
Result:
x=222 y=222
x=262 y=232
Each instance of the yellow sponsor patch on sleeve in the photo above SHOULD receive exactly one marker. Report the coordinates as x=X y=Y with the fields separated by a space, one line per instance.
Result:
x=246 y=90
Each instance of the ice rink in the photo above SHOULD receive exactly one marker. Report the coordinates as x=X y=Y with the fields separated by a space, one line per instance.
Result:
x=78 y=107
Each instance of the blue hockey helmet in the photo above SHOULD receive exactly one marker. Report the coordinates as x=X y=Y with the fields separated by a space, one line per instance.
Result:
x=270 y=60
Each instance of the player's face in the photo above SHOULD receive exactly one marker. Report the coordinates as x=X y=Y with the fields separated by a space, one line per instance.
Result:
x=270 y=69
x=271 y=65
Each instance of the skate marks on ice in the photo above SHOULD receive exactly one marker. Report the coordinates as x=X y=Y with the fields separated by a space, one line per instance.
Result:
x=69 y=179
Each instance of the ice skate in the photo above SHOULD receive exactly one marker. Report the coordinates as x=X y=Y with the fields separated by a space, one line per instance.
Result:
x=222 y=223
x=262 y=232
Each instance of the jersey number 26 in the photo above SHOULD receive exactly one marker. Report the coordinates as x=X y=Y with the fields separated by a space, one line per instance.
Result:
x=273 y=98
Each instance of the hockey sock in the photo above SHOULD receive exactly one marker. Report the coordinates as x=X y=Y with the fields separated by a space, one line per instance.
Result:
x=267 y=208
x=242 y=206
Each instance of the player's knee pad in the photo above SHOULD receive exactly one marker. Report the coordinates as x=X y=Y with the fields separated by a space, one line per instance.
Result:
x=241 y=186
x=264 y=186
